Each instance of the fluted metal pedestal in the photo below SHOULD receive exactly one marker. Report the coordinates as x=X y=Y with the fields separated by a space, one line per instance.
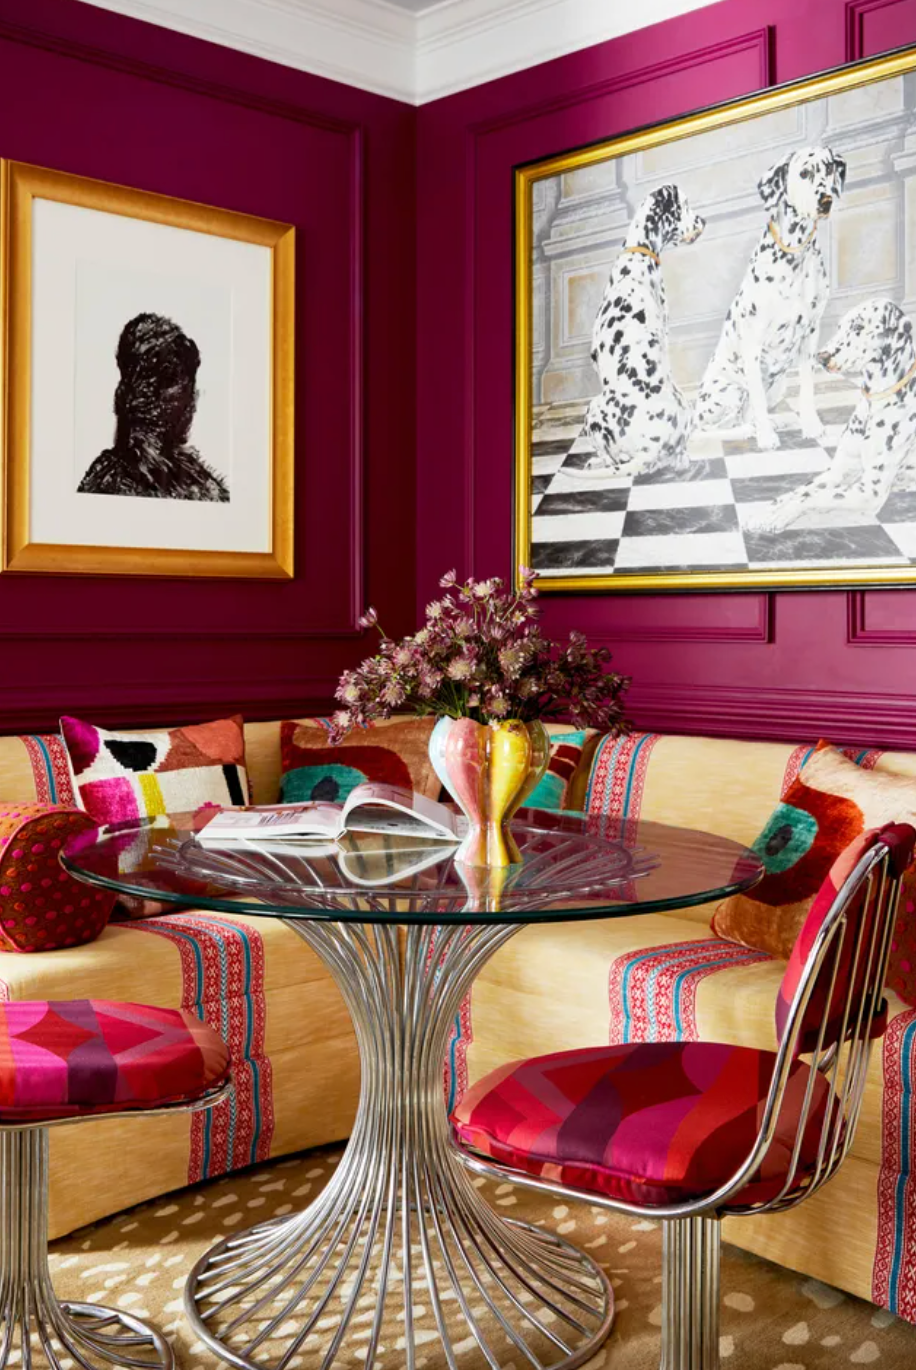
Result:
x=401 y=1232
x=690 y=1294
x=32 y=1321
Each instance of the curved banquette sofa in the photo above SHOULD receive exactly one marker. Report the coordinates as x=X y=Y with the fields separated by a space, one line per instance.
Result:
x=553 y=987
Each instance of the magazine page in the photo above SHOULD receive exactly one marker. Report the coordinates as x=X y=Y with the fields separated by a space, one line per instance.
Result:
x=392 y=809
x=315 y=820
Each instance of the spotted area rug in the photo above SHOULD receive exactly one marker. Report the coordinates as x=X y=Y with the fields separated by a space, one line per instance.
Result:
x=771 y=1319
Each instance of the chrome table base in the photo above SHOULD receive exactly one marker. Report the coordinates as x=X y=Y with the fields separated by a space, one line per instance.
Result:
x=34 y=1326
x=401 y=1234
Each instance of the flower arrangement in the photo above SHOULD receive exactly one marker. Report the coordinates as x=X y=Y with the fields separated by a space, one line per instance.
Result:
x=481 y=655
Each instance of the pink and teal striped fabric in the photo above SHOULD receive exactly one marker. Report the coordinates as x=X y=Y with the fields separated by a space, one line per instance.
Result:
x=222 y=971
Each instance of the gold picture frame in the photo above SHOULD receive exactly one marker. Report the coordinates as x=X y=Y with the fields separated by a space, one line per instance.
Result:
x=644 y=146
x=21 y=185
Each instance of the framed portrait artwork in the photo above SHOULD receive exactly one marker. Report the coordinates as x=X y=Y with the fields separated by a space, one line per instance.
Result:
x=716 y=360
x=148 y=368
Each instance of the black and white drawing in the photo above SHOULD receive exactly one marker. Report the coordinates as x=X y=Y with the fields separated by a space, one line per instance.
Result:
x=154 y=405
x=722 y=364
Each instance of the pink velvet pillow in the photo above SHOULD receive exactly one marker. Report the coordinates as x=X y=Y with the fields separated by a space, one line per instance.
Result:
x=41 y=906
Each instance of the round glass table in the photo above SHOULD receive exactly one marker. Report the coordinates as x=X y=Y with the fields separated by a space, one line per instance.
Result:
x=401 y=1230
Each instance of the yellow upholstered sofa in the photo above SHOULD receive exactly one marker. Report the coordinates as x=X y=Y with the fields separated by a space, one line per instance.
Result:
x=551 y=987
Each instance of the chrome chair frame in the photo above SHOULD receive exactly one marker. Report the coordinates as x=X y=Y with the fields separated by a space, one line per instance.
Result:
x=691 y=1230
x=32 y=1319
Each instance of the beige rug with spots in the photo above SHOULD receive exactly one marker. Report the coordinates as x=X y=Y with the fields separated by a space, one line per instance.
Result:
x=771 y=1318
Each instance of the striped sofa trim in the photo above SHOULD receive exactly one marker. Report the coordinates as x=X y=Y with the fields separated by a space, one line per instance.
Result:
x=222 y=971
x=894 y=1273
x=50 y=768
x=867 y=759
x=652 y=994
x=618 y=775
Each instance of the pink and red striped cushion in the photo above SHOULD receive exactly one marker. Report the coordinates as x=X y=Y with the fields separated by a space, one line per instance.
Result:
x=650 y=1124
x=900 y=839
x=75 y=1056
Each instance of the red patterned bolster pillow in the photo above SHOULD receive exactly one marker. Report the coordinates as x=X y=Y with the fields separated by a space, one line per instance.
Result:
x=43 y=908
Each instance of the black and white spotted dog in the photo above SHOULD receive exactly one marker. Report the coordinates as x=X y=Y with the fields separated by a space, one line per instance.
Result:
x=640 y=420
x=874 y=343
x=773 y=322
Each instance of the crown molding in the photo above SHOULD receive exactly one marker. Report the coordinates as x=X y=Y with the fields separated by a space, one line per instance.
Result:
x=462 y=43
x=364 y=43
x=376 y=46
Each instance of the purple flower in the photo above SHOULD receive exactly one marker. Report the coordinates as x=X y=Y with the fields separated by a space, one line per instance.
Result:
x=481 y=654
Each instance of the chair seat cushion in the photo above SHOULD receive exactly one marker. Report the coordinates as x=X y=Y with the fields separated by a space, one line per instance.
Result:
x=649 y=1123
x=67 y=1057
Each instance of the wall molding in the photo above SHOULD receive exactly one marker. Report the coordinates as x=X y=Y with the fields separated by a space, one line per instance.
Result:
x=760 y=628
x=775 y=714
x=856 y=14
x=377 y=46
x=141 y=703
x=858 y=633
x=759 y=40
x=354 y=132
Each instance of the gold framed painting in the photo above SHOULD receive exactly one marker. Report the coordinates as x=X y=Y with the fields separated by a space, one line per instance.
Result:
x=715 y=358
x=148 y=352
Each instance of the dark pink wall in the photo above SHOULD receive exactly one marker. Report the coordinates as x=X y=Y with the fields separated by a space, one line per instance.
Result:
x=369 y=183
x=780 y=666
x=87 y=91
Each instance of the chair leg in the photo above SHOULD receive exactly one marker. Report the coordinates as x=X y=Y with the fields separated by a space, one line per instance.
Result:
x=690 y=1294
x=32 y=1321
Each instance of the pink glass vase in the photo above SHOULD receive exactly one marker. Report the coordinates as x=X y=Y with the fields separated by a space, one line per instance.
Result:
x=489 y=769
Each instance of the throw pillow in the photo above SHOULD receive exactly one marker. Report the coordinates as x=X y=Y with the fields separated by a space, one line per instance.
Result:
x=831 y=802
x=41 y=906
x=394 y=752
x=563 y=784
x=119 y=777
x=125 y=776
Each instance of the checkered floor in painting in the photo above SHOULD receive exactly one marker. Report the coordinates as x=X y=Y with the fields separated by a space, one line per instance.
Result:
x=593 y=521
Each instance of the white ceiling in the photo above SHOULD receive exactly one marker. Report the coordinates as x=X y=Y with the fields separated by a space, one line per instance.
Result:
x=415 y=6
x=413 y=50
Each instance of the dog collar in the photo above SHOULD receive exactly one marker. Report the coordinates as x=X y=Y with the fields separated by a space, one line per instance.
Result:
x=886 y=394
x=645 y=252
x=791 y=251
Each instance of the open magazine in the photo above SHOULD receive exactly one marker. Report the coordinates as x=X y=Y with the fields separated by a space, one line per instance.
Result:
x=372 y=807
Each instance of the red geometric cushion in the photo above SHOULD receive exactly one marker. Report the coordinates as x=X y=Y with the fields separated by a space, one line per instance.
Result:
x=899 y=838
x=649 y=1123
x=78 y=1056
x=41 y=906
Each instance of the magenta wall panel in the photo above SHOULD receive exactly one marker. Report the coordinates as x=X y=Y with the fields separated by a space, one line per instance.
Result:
x=90 y=92
x=793 y=665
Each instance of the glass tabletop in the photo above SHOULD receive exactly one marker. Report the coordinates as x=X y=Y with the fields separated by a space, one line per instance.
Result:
x=574 y=866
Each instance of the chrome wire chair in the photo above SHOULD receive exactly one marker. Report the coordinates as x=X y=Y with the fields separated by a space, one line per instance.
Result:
x=34 y=1324
x=830 y=1010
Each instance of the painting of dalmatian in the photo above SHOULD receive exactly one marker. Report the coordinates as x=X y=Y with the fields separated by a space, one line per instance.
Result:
x=716 y=378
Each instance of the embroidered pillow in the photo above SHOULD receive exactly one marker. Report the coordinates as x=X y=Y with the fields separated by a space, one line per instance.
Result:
x=41 y=906
x=563 y=784
x=124 y=776
x=119 y=777
x=394 y=752
x=831 y=802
